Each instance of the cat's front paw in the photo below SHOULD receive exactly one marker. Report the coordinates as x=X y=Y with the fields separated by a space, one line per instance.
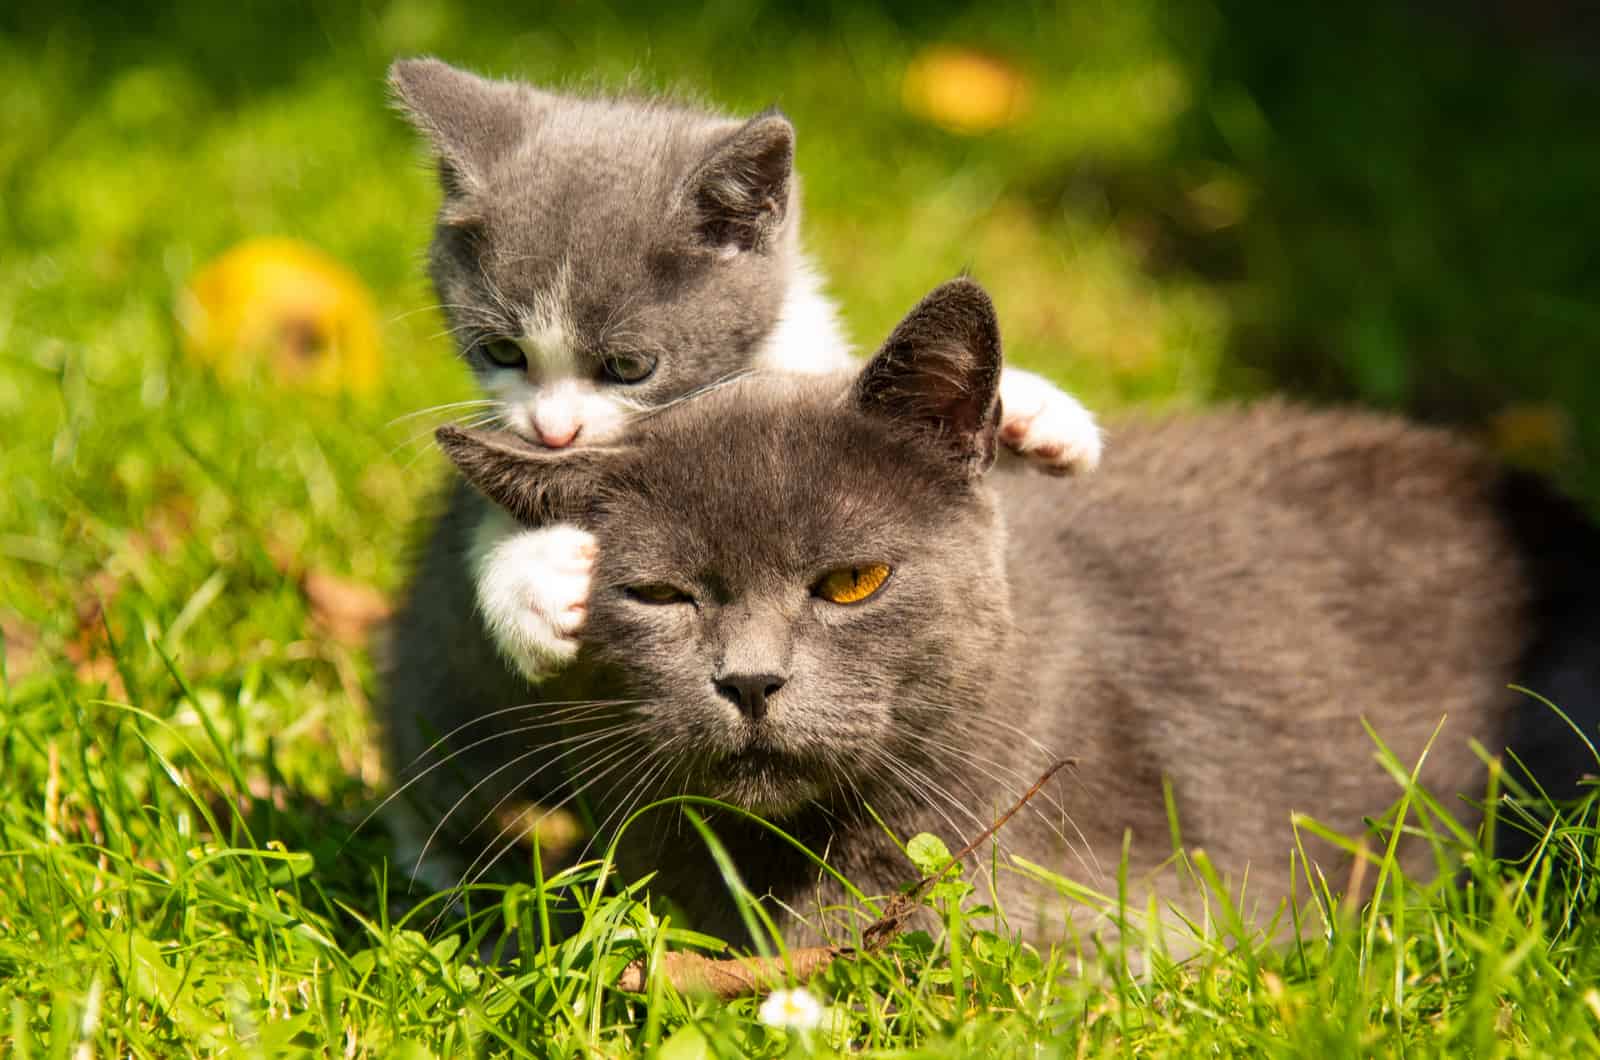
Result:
x=1046 y=425
x=533 y=592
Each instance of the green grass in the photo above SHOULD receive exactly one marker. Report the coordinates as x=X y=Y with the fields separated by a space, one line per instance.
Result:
x=186 y=751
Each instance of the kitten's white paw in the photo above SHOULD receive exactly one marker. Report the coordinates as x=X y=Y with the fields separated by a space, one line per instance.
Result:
x=533 y=593
x=1046 y=425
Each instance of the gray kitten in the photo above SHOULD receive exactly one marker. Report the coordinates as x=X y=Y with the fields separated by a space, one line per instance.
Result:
x=811 y=599
x=598 y=256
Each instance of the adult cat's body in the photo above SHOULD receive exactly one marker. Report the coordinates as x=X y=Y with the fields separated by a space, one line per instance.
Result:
x=600 y=256
x=847 y=610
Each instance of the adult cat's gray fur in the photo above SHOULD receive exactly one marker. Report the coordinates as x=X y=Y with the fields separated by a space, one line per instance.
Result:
x=1218 y=609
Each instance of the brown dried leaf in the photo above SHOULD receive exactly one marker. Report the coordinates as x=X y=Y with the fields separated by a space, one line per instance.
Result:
x=89 y=651
x=348 y=610
x=22 y=647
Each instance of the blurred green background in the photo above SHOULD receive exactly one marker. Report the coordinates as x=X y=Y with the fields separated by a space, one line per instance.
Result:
x=1393 y=203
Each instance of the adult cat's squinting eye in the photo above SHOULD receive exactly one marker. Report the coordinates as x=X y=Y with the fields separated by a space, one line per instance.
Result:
x=505 y=353
x=659 y=594
x=851 y=585
x=628 y=367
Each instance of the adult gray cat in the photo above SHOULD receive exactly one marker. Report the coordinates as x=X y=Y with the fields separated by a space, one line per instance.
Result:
x=811 y=598
x=597 y=256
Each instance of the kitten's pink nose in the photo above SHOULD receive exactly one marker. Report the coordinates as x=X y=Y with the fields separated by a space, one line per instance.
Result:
x=559 y=436
x=556 y=433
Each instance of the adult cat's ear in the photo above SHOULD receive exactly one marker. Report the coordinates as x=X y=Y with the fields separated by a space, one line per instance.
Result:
x=940 y=373
x=468 y=120
x=535 y=485
x=740 y=191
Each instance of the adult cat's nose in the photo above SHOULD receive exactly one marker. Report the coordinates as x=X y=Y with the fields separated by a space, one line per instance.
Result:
x=750 y=692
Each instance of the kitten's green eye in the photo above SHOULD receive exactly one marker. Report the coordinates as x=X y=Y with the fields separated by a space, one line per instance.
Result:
x=659 y=594
x=851 y=585
x=628 y=367
x=505 y=353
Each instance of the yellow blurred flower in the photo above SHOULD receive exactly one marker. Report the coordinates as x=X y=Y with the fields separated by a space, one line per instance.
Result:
x=287 y=306
x=964 y=90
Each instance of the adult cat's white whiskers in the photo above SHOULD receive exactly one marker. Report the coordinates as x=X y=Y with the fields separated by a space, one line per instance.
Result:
x=616 y=757
x=684 y=762
x=575 y=710
x=1009 y=779
x=861 y=799
x=926 y=784
x=986 y=721
x=917 y=786
x=944 y=744
x=975 y=796
x=564 y=714
x=658 y=769
x=492 y=851
x=584 y=740
x=844 y=784
x=551 y=709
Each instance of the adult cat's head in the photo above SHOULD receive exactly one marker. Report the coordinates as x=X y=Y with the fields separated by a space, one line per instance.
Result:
x=598 y=255
x=800 y=580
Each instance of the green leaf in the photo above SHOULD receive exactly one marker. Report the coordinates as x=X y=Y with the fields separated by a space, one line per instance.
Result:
x=686 y=1043
x=928 y=853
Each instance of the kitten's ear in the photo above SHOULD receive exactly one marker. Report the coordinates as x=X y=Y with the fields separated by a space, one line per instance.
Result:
x=940 y=373
x=468 y=120
x=537 y=486
x=740 y=192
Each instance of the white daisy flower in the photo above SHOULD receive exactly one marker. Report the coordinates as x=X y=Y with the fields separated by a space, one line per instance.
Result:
x=793 y=1009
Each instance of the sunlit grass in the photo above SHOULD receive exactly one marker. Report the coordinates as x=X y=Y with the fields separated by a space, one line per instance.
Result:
x=162 y=893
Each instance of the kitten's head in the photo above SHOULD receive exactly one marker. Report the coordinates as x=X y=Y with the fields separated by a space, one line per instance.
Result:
x=598 y=255
x=800 y=579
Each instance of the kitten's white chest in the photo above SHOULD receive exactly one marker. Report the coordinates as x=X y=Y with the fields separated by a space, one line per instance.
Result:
x=807 y=339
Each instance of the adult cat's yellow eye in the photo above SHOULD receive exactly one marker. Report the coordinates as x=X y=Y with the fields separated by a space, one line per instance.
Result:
x=659 y=594
x=851 y=585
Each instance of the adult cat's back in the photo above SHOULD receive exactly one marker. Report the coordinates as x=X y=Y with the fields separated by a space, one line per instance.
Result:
x=1238 y=591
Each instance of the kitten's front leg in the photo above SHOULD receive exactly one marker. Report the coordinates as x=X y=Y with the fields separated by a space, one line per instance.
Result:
x=533 y=591
x=1046 y=425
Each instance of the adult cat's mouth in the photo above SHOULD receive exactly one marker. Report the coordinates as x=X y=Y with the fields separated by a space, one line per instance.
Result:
x=766 y=781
